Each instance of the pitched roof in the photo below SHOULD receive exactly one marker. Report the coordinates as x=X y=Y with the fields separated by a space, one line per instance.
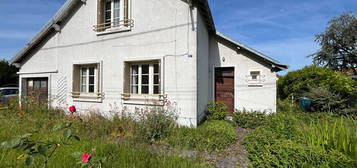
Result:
x=65 y=10
x=274 y=62
x=52 y=24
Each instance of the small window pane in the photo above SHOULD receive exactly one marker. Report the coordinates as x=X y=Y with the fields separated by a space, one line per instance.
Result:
x=116 y=12
x=135 y=69
x=156 y=68
x=84 y=71
x=91 y=88
x=156 y=90
x=156 y=79
x=145 y=90
x=91 y=71
x=145 y=79
x=43 y=84
x=134 y=89
x=91 y=80
x=37 y=84
x=134 y=80
x=83 y=88
x=30 y=83
x=84 y=80
x=145 y=69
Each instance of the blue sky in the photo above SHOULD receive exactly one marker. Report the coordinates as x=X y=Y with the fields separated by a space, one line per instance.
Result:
x=282 y=29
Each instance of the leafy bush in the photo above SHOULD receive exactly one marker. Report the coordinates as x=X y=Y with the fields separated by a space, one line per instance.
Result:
x=217 y=110
x=210 y=136
x=324 y=100
x=156 y=123
x=246 y=119
x=298 y=82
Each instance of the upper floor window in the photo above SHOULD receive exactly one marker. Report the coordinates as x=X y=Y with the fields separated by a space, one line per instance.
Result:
x=113 y=14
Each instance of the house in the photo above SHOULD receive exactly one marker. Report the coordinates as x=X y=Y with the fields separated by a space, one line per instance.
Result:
x=101 y=54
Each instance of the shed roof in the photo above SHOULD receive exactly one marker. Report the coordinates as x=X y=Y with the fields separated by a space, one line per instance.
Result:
x=274 y=62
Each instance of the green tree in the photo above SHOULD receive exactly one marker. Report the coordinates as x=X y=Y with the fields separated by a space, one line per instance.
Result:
x=8 y=74
x=338 y=44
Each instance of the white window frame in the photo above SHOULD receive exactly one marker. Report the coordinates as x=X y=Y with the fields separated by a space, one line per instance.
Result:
x=96 y=88
x=151 y=79
x=112 y=19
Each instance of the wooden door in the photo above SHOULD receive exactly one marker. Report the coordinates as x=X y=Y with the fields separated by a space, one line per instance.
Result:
x=37 y=90
x=224 y=87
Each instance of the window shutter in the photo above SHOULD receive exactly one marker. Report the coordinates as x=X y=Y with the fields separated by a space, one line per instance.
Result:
x=126 y=12
x=100 y=14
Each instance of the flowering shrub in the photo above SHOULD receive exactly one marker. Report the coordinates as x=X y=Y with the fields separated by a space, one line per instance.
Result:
x=72 y=109
x=156 y=123
x=87 y=160
x=86 y=157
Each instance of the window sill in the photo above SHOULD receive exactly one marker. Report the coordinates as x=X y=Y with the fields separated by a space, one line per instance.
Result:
x=114 y=30
x=153 y=100
x=85 y=97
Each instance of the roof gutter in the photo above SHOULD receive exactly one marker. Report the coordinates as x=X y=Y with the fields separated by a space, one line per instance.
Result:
x=53 y=23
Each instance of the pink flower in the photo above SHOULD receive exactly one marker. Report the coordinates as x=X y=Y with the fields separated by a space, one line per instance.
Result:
x=72 y=109
x=86 y=157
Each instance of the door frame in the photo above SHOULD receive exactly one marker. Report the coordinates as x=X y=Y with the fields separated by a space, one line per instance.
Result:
x=23 y=83
x=214 y=81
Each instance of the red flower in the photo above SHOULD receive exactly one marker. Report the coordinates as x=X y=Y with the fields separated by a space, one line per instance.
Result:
x=86 y=157
x=72 y=109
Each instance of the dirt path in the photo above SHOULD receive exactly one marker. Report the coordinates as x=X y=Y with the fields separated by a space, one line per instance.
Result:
x=232 y=157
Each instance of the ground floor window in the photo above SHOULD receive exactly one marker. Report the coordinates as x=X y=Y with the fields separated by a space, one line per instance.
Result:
x=86 y=79
x=144 y=78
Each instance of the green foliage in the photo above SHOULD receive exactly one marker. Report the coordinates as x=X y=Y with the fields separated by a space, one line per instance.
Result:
x=299 y=82
x=282 y=142
x=156 y=123
x=338 y=44
x=8 y=76
x=324 y=100
x=312 y=82
x=217 y=110
x=212 y=135
x=334 y=135
x=251 y=120
x=105 y=140
x=35 y=148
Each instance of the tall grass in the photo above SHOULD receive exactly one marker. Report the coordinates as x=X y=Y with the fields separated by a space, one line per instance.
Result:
x=97 y=133
x=340 y=134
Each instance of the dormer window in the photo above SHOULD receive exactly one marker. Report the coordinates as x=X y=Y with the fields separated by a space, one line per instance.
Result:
x=113 y=15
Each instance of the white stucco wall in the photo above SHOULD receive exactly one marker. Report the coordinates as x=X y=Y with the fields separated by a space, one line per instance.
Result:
x=250 y=98
x=202 y=67
x=163 y=28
